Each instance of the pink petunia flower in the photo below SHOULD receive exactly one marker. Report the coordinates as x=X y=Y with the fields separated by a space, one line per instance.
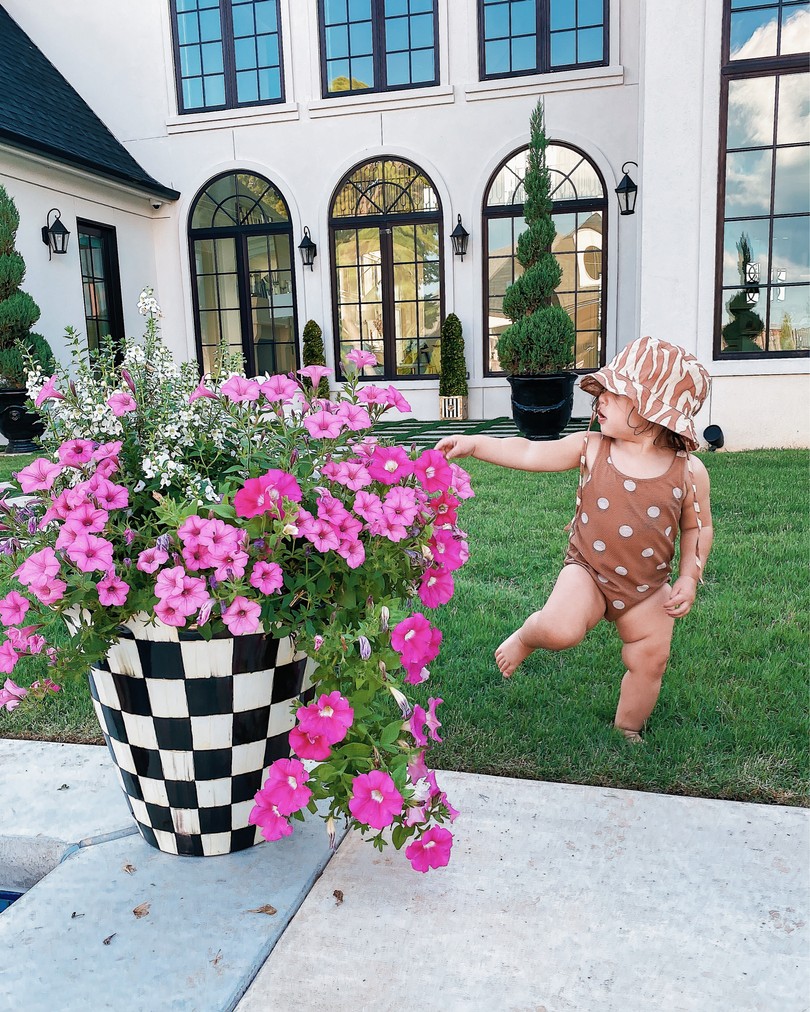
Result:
x=372 y=395
x=396 y=400
x=169 y=582
x=315 y=373
x=309 y=746
x=352 y=474
x=416 y=725
x=436 y=587
x=323 y=425
x=445 y=508
x=268 y=578
x=87 y=518
x=375 y=800
x=108 y=495
x=39 y=476
x=285 y=786
x=75 y=452
x=415 y=639
x=265 y=494
x=11 y=695
x=400 y=505
x=241 y=390
x=433 y=471
x=169 y=613
x=353 y=552
x=389 y=464
x=330 y=716
x=461 y=482
x=201 y=391
x=368 y=506
x=107 y=451
x=242 y=616
x=13 y=608
x=48 y=392
x=265 y=814
x=48 y=591
x=112 y=591
x=361 y=358
x=449 y=550
x=90 y=553
x=121 y=403
x=151 y=559
x=190 y=596
x=431 y=850
x=280 y=388
x=42 y=565
x=355 y=416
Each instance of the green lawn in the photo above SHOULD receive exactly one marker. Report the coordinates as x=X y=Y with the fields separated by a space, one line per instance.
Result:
x=732 y=718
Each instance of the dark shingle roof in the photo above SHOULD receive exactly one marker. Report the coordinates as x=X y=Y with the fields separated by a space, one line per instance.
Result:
x=42 y=113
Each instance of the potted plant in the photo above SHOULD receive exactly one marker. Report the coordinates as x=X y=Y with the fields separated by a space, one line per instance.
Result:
x=18 y=314
x=453 y=380
x=314 y=353
x=213 y=549
x=537 y=349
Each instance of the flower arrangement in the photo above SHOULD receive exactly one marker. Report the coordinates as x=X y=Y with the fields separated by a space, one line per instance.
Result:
x=235 y=505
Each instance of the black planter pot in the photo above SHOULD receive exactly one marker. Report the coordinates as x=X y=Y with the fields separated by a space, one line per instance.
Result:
x=542 y=405
x=20 y=426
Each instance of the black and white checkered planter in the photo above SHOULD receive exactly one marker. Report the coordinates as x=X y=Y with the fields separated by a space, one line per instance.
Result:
x=192 y=726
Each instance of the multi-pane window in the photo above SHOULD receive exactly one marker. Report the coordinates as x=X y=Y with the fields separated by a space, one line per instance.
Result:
x=764 y=234
x=241 y=251
x=540 y=36
x=386 y=250
x=101 y=285
x=378 y=45
x=579 y=213
x=227 y=53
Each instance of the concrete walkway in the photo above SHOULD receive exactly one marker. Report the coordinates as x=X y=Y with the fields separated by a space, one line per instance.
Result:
x=557 y=898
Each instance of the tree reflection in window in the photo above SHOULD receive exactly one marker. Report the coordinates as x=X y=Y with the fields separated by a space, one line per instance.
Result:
x=579 y=209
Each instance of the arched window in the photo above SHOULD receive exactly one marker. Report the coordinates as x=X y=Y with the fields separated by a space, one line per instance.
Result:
x=385 y=230
x=579 y=212
x=241 y=252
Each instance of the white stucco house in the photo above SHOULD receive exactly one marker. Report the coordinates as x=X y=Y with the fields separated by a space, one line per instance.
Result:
x=188 y=145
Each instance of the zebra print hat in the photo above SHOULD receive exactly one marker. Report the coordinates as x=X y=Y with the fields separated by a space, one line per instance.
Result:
x=666 y=384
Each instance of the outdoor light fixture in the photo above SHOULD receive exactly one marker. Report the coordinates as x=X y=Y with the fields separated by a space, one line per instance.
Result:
x=459 y=237
x=55 y=235
x=713 y=435
x=627 y=191
x=308 y=250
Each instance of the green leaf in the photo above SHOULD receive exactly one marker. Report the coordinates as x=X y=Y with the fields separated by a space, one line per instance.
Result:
x=391 y=732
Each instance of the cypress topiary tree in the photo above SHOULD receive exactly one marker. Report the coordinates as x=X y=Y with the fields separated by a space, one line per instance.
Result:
x=314 y=353
x=541 y=338
x=18 y=311
x=453 y=379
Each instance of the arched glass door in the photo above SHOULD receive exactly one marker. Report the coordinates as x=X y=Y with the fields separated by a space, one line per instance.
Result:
x=385 y=230
x=580 y=212
x=241 y=252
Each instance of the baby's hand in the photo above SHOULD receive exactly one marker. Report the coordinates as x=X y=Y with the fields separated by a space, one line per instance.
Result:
x=456 y=446
x=682 y=597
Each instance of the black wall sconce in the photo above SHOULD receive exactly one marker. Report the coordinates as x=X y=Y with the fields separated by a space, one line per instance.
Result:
x=627 y=191
x=713 y=435
x=459 y=237
x=309 y=250
x=54 y=234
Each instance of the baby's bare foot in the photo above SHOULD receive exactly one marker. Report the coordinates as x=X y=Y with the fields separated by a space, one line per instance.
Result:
x=511 y=653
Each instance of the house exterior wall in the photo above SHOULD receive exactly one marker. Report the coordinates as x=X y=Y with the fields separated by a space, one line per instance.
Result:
x=657 y=103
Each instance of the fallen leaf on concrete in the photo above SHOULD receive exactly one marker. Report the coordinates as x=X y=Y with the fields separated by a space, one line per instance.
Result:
x=109 y=938
x=266 y=909
x=216 y=958
x=74 y=914
x=129 y=868
x=142 y=909
x=64 y=787
x=338 y=894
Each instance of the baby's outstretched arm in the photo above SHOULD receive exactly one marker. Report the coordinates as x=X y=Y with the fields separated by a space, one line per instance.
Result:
x=521 y=454
x=694 y=540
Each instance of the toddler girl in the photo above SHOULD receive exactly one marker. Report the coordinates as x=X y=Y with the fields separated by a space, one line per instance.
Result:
x=638 y=486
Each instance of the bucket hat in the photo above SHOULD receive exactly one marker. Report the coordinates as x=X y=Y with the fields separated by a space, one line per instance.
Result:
x=666 y=384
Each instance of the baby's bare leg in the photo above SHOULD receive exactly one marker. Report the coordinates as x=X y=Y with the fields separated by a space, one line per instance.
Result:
x=574 y=606
x=646 y=631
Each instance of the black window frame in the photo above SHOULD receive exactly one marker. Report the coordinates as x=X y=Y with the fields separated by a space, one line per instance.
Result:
x=543 y=43
x=378 y=55
x=582 y=204
x=734 y=70
x=109 y=253
x=229 y=64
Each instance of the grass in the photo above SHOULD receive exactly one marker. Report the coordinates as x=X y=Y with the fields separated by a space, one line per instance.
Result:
x=732 y=718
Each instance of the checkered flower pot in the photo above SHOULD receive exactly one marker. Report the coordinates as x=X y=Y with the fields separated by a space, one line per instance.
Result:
x=192 y=726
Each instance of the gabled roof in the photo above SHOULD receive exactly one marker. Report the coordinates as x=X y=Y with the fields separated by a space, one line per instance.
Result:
x=41 y=113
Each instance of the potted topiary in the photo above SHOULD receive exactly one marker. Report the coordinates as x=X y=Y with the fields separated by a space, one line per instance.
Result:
x=537 y=350
x=18 y=346
x=453 y=379
x=315 y=355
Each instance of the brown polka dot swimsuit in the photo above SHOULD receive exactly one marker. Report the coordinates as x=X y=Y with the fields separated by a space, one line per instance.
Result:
x=625 y=528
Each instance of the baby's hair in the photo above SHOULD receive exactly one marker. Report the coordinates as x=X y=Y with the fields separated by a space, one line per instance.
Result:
x=664 y=437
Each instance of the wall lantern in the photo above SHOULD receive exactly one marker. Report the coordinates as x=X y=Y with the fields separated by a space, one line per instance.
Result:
x=309 y=250
x=627 y=191
x=459 y=237
x=54 y=234
x=713 y=435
